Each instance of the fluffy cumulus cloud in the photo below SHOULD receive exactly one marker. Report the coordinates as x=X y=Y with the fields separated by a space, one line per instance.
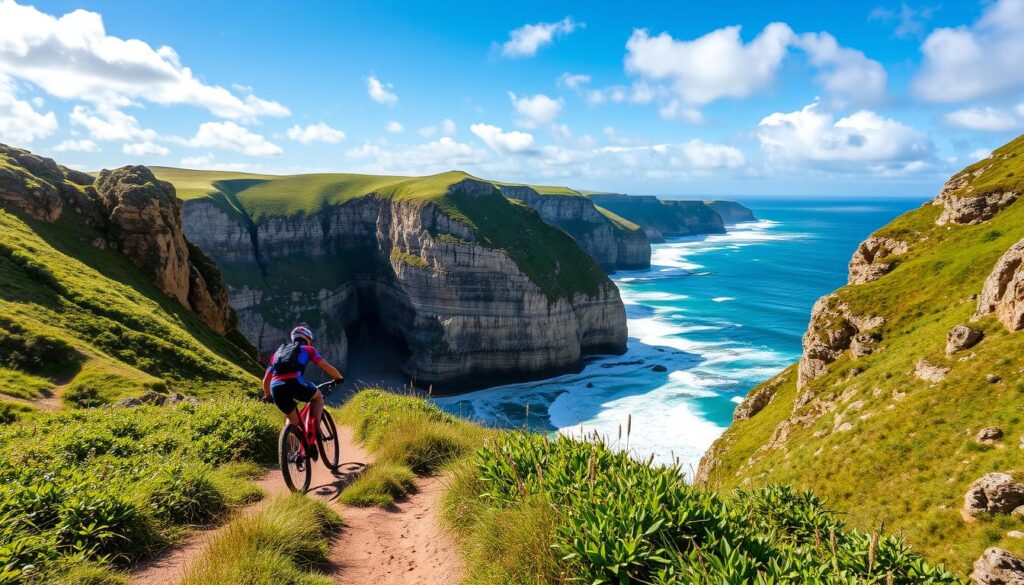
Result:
x=20 y=122
x=845 y=73
x=433 y=157
x=527 y=39
x=199 y=161
x=976 y=61
x=394 y=127
x=73 y=57
x=572 y=80
x=536 y=110
x=320 y=132
x=77 y=146
x=513 y=142
x=861 y=141
x=111 y=124
x=145 y=149
x=716 y=65
x=231 y=136
x=703 y=155
x=381 y=92
x=983 y=119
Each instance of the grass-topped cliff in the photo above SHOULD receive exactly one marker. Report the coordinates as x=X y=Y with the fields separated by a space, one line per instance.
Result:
x=79 y=321
x=902 y=371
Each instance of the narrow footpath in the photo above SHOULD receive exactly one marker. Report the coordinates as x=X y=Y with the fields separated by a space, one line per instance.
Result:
x=400 y=545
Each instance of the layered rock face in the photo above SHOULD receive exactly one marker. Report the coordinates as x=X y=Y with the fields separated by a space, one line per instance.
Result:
x=467 y=313
x=873 y=259
x=1003 y=292
x=967 y=199
x=138 y=215
x=832 y=331
x=731 y=212
x=663 y=219
x=613 y=247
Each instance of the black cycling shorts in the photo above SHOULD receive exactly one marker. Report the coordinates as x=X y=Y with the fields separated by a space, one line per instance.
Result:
x=286 y=392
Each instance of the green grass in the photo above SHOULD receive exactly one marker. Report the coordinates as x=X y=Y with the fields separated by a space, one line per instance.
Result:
x=528 y=509
x=546 y=255
x=380 y=485
x=909 y=462
x=284 y=542
x=108 y=487
x=74 y=314
x=665 y=216
x=1001 y=172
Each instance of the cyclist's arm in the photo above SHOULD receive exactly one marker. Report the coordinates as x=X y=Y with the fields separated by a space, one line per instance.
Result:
x=266 y=383
x=331 y=370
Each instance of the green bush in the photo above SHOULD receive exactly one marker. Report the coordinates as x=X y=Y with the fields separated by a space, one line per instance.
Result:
x=112 y=486
x=622 y=521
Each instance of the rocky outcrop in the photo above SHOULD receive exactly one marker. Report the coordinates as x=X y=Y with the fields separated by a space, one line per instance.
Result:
x=731 y=212
x=965 y=204
x=1003 y=292
x=873 y=259
x=467 y=313
x=998 y=567
x=994 y=493
x=989 y=435
x=613 y=247
x=133 y=213
x=831 y=332
x=756 y=400
x=663 y=219
x=929 y=372
x=962 y=337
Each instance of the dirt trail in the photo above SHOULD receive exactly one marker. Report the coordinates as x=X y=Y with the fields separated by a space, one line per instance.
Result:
x=397 y=546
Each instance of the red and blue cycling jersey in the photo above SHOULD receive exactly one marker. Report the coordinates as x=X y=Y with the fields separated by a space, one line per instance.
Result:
x=307 y=354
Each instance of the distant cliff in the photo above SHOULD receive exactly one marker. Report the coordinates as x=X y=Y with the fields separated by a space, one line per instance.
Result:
x=663 y=218
x=475 y=285
x=731 y=212
x=616 y=244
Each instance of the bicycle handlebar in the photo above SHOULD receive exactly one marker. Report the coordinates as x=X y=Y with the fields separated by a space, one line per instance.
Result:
x=326 y=387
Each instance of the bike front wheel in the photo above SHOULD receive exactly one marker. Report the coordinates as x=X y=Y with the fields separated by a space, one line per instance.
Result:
x=293 y=460
x=327 y=441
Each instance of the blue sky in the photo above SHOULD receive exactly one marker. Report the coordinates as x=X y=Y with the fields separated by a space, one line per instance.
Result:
x=684 y=98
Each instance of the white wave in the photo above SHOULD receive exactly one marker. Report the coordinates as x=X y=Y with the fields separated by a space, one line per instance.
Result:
x=723 y=299
x=736 y=399
x=651 y=296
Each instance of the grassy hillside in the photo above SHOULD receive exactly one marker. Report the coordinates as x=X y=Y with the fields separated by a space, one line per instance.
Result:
x=529 y=509
x=896 y=450
x=546 y=254
x=84 y=325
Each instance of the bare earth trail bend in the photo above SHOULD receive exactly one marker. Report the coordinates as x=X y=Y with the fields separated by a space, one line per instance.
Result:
x=400 y=545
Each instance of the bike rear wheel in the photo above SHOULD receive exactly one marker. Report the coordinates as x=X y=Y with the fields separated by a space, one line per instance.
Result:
x=292 y=458
x=327 y=441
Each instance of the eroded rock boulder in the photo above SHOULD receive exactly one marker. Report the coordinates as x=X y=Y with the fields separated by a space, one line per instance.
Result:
x=963 y=204
x=874 y=259
x=998 y=567
x=994 y=493
x=989 y=435
x=1003 y=292
x=831 y=332
x=929 y=372
x=756 y=400
x=962 y=337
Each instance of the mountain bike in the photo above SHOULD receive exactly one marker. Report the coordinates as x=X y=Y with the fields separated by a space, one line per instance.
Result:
x=299 y=448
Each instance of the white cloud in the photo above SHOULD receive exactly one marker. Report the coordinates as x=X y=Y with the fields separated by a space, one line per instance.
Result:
x=713 y=66
x=983 y=119
x=146 y=149
x=231 y=136
x=979 y=154
x=864 y=139
x=976 y=61
x=380 y=92
x=846 y=73
x=320 y=132
x=572 y=80
x=108 y=123
x=527 y=39
x=427 y=131
x=440 y=155
x=394 y=127
x=561 y=131
x=448 y=127
x=77 y=146
x=703 y=155
x=536 y=110
x=73 y=57
x=20 y=123
x=202 y=160
x=675 y=110
x=512 y=142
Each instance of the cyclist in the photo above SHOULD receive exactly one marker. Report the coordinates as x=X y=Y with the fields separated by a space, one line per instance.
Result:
x=284 y=383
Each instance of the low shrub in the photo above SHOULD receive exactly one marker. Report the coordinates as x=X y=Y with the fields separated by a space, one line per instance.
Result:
x=379 y=485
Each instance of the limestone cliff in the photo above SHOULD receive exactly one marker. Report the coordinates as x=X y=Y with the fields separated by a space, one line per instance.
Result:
x=475 y=285
x=903 y=406
x=663 y=218
x=138 y=215
x=610 y=241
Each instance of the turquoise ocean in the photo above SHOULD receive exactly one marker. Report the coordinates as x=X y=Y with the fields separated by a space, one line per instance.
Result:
x=721 y=313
